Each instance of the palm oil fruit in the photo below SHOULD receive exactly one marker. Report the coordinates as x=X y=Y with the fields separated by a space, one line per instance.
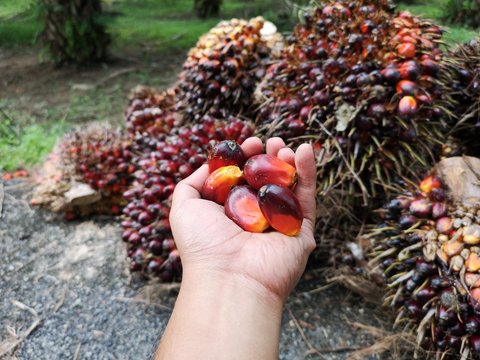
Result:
x=225 y=153
x=281 y=208
x=267 y=169
x=220 y=182
x=242 y=207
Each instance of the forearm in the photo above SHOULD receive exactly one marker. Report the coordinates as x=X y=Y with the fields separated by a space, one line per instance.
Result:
x=219 y=316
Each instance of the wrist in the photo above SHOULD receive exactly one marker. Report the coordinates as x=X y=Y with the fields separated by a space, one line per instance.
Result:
x=222 y=316
x=230 y=285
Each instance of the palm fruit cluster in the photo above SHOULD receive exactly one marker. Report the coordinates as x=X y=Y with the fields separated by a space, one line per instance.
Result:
x=359 y=81
x=266 y=200
x=222 y=70
x=87 y=173
x=428 y=250
x=150 y=111
x=167 y=160
x=462 y=73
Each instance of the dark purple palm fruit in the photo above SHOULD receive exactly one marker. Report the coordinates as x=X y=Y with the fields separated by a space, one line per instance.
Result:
x=461 y=77
x=163 y=161
x=431 y=266
x=222 y=71
x=150 y=112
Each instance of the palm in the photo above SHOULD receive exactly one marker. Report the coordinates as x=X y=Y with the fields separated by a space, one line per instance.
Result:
x=205 y=235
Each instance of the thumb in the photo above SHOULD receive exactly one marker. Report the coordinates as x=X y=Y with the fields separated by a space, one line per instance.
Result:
x=307 y=175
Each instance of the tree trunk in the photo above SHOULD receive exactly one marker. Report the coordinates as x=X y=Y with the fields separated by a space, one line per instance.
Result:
x=207 y=8
x=73 y=31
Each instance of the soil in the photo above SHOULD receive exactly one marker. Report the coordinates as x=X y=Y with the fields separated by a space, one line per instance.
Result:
x=36 y=86
x=65 y=291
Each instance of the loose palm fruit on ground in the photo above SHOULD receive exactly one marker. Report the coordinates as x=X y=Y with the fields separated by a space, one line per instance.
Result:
x=431 y=263
x=266 y=169
x=225 y=153
x=281 y=208
x=219 y=183
x=242 y=207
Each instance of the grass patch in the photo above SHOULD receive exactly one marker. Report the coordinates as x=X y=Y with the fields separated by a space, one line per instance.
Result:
x=29 y=147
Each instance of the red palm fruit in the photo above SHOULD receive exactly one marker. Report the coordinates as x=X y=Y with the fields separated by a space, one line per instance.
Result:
x=407 y=106
x=220 y=182
x=444 y=225
x=266 y=169
x=407 y=50
x=421 y=207
x=430 y=183
x=281 y=208
x=242 y=207
x=406 y=87
x=439 y=210
x=225 y=153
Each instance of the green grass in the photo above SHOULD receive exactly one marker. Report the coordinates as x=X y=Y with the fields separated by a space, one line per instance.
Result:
x=434 y=9
x=9 y=8
x=29 y=146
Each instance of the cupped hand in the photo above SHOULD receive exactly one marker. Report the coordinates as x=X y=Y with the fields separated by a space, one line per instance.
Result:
x=209 y=242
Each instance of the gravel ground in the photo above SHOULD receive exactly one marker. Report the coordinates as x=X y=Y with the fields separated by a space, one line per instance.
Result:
x=65 y=293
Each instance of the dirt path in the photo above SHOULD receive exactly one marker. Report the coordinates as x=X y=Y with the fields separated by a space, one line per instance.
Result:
x=66 y=294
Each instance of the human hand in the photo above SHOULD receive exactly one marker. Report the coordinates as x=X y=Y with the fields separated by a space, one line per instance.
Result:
x=210 y=243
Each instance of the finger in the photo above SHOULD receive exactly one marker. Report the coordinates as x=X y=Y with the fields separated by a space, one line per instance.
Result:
x=274 y=145
x=288 y=155
x=190 y=187
x=306 y=186
x=252 y=146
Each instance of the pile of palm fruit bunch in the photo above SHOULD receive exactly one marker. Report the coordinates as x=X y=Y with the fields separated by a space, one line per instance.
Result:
x=221 y=72
x=461 y=69
x=168 y=158
x=427 y=248
x=87 y=173
x=361 y=82
x=150 y=111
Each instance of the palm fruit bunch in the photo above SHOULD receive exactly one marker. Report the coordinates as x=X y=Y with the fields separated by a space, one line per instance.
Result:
x=150 y=111
x=266 y=200
x=167 y=159
x=87 y=173
x=462 y=73
x=222 y=70
x=360 y=82
x=428 y=250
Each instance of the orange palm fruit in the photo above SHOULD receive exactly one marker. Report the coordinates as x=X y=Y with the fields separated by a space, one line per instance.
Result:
x=242 y=207
x=430 y=183
x=265 y=169
x=281 y=208
x=220 y=182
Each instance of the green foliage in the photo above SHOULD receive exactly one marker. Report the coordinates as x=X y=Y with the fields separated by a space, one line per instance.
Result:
x=463 y=12
x=74 y=31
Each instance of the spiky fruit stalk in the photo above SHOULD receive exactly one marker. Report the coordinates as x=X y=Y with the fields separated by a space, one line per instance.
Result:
x=222 y=70
x=428 y=252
